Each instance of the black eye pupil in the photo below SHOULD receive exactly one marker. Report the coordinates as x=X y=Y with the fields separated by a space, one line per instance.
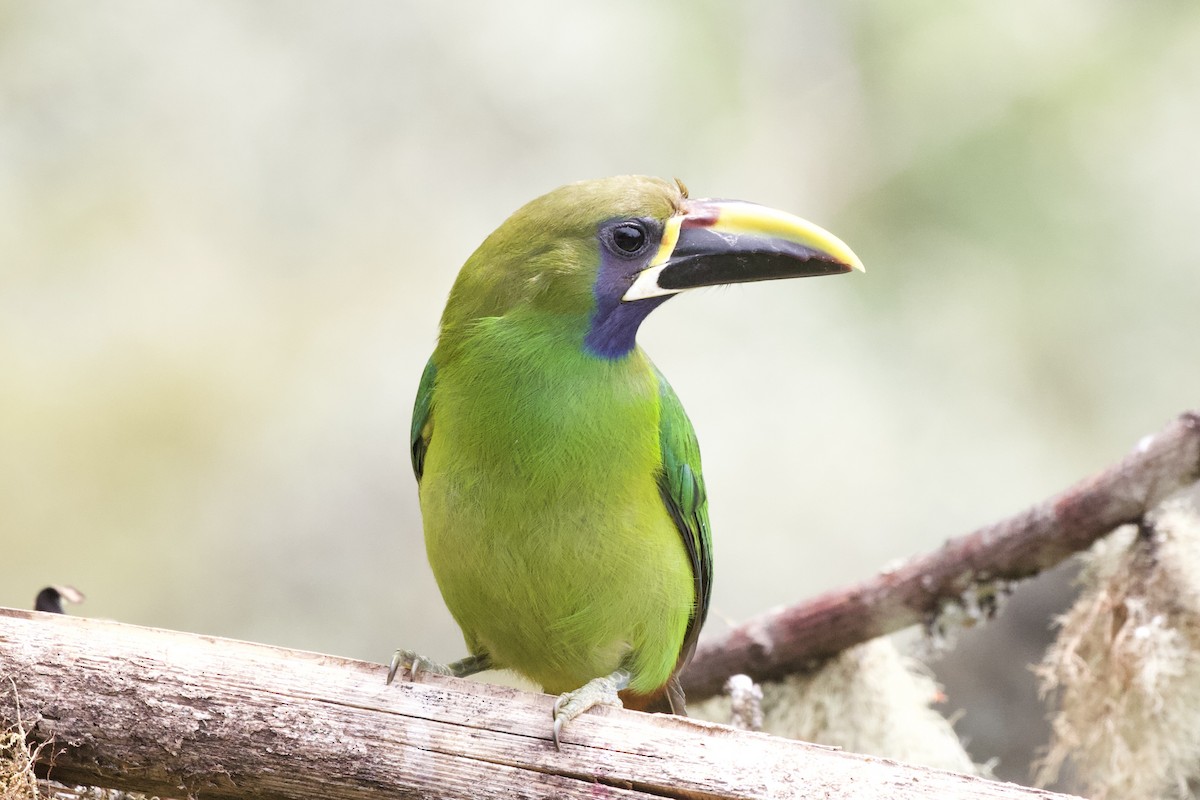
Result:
x=629 y=238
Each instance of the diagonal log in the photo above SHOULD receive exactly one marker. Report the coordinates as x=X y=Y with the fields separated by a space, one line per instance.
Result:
x=801 y=636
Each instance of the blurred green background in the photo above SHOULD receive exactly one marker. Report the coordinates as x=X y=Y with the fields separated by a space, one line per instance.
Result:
x=227 y=231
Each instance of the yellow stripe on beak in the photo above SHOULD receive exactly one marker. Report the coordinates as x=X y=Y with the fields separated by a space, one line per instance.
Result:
x=738 y=218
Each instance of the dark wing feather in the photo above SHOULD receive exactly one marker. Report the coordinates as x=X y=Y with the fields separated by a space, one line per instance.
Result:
x=681 y=484
x=422 y=419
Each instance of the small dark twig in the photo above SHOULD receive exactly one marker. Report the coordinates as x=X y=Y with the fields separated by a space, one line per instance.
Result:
x=51 y=598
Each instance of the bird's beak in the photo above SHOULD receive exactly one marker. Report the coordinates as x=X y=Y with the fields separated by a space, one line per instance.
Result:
x=715 y=242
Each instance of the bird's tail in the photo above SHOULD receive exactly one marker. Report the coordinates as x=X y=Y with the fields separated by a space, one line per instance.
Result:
x=667 y=699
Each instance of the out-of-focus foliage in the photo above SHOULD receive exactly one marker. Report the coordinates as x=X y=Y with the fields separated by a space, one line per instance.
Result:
x=227 y=230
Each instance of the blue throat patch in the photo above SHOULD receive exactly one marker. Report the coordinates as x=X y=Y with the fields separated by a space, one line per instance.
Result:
x=613 y=330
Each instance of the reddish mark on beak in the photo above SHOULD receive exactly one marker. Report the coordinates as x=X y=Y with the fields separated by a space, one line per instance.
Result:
x=700 y=218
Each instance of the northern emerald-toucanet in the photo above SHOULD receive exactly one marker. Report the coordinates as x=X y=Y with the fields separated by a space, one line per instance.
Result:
x=564 y=508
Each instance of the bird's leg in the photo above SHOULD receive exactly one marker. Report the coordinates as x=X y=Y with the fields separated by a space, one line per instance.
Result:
x=596 y=692
x=415 y=663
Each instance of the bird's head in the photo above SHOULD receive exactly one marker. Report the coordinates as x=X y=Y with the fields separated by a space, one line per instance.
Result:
x=600 y=255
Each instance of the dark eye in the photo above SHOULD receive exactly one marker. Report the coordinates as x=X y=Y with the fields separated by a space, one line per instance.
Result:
x=629 y=237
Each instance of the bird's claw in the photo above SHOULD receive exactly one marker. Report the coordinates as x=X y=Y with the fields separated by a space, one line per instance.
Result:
x=596 y=692
x=558 y=724
x=414 y=663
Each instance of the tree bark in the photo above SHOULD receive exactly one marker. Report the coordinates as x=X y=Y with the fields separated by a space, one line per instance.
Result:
x=182 y=715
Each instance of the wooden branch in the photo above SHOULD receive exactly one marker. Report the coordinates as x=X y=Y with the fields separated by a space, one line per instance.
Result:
x=796 y=638
x=179 y=715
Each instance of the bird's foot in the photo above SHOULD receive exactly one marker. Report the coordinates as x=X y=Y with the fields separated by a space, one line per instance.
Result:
x=415 y=663
x=596 y=692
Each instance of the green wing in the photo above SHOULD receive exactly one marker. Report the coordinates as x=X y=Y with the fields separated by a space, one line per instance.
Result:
x=681 y=484
x=422 y=420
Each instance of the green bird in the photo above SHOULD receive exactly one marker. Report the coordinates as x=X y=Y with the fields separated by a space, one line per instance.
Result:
x=563 y=502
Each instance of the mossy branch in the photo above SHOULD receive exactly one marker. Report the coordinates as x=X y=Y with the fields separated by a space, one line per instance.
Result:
x=182 y=715
x=798 y=637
